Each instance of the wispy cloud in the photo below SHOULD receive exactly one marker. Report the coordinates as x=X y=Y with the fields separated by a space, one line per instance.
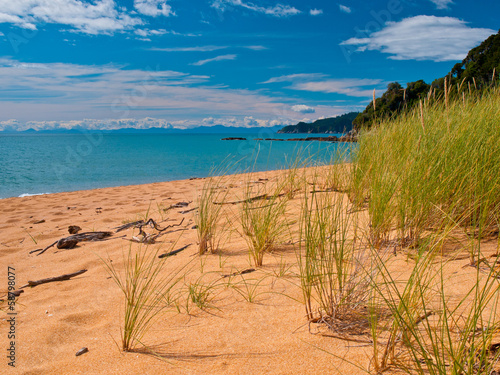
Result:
x=111 y=97
x=255 y=48
x=423 y=38
x=189 y=49
x=315 y=12
x=317 y=82
x=295 y=77
x=153 y=8
x=278 y=10
x=442 y=4
x=147 y=32
x=208 y=48
x=350 y=87
x=302 y=108
x=217 y=58
x=100 y=16
x=344 y=8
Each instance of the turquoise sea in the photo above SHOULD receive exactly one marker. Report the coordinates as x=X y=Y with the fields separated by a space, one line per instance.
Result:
x=50 y=163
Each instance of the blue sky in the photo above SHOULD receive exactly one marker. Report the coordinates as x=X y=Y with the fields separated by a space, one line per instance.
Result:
x=139 y=63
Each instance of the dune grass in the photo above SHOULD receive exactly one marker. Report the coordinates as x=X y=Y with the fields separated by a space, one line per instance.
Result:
x=437 y=163
x=262 y=216
x=333 y=284
x=430 y=329
x=146 y=290
x=208 y=226
x=429 y=176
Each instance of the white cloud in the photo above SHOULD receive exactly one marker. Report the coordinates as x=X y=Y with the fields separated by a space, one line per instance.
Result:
x=315 y=12
x=57 y=93
x=423 y=38
x=147 y=32
x=345 y=9
x=278 y=10
x=190 y=49
x=153 y=8
x=350 y=87
x=442 y=4
x=302 y=108
x=295 y=77
x=255 y=48
x=317 y=82
x=208 y=48
x=100 y=16
x=218 y=58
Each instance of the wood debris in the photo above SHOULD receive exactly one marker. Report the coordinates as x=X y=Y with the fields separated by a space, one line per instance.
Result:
x=174 y=252
x=248 y=270
x=71 y=241
x=52 y=279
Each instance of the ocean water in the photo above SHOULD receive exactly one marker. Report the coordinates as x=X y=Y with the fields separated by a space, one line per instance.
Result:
x=50 y=163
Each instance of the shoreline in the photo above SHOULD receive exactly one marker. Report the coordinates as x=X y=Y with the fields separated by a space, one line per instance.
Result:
x=145 y=185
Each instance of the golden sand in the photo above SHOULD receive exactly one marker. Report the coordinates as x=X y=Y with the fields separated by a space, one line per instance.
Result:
x=232 y=336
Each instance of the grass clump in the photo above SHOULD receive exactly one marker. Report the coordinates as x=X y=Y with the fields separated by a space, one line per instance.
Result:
x=262 y=218
x=333 y=284
x=431 y=329
x=146 y=289
x=208 y=226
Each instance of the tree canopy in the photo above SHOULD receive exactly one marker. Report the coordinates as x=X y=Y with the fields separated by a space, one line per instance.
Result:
x=477 y=69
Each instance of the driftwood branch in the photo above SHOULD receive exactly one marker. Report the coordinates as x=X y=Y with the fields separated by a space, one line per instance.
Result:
x=51 y=279
x=177 y=205
x=71 y=241
x=42 y=250
x=253 y=199
x=151 y=238
x=174 y=252
x=248 y=270
x=134 y=224
x=187 y=211
x=141 y=223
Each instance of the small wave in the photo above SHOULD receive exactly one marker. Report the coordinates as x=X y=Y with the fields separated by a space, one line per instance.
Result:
x=31 y=195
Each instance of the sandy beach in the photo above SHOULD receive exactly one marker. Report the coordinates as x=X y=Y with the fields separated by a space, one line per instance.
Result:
x=254 y=323
x=55 y=320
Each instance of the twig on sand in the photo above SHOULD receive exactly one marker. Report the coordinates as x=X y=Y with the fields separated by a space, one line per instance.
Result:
x=141 y=223
x=177 y=205
x=248 y=270
x=187 y=211
x=253 y=199
x=151 y=238
x=174 y=252
x=51 y=279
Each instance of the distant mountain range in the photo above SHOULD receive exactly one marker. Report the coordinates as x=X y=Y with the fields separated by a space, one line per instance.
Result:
x=339 y=124
x=216 y=129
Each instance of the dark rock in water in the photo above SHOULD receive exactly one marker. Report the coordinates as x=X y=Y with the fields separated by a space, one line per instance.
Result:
x=74 y=229
x=330 y=138
x=274 y=139
x=233 y=139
